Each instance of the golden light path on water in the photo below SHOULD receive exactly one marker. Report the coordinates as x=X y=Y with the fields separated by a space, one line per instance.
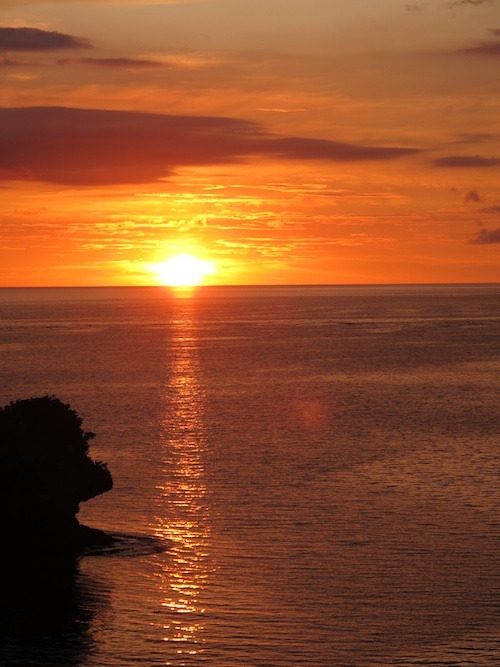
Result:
x=185 y=520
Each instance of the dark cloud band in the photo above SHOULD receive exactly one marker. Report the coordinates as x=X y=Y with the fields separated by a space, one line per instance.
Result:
x=33 y=39
x=98 y=147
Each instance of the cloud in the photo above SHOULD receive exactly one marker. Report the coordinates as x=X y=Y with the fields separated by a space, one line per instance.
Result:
x=484 y=49
x=188 y=61
x=97 y=147
x=17 y=3
x=119 y=63
x=34 y=39
x=280 y=110
x=179 y=61
x=459 y=3
x=7 y=62
x=475 y=137
x=472 y=196
x=486 y=237
x=320 y=149
x=466 y=161
x=491 y=209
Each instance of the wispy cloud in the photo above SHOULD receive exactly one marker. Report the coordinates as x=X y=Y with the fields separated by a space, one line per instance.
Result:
x=118 y=63
x=279 y=110
x=473 y=196
x=450 y=4
x=466 y=161
x=7 y=62
x=34 y=39
x=320 y=149
x=461 y=3
x=475 y=137
x=179 y=61
x=483 y=49
x=486 y=237
x=187 y=61
x=489 y=48
x=16 y=3
x=98 y=147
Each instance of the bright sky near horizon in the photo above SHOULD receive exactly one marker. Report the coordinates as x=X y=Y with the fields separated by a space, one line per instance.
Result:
x=283 y=141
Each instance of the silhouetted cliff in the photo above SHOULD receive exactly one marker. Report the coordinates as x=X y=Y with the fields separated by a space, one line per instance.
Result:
x=45 y=473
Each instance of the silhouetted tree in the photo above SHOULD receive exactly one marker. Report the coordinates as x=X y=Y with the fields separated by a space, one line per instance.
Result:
x=45 y=473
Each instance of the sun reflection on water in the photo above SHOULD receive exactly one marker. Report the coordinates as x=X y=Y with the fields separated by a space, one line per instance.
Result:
x=183 y=511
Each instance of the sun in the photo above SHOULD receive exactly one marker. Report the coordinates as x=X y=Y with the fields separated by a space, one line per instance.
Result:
x=183 y=270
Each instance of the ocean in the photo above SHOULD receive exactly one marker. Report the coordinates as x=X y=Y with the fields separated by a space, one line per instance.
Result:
x=302 y=475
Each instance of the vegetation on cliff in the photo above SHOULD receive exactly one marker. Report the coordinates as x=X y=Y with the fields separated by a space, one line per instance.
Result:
x=45 y=473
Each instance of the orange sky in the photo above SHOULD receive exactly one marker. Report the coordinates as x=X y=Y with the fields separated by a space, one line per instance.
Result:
x=286 y=141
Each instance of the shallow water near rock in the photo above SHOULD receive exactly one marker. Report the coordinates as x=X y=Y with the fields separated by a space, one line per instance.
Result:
x=130 y=546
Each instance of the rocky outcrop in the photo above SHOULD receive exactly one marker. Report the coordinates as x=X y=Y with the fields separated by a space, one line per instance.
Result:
x=45 y=473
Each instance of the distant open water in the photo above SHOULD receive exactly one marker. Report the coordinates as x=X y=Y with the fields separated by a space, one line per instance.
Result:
x=303 y=475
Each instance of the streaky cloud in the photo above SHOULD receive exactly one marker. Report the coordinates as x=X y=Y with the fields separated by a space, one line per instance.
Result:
x=320 y=149
x=486 y=237
x=14 y=3
x=466 y=161
x=75 y=146
x=118 y=63
x=280 y=110
x=34 y=39
x=7 y=62
x=461 y=3
x=483 y=49
x=475 y=137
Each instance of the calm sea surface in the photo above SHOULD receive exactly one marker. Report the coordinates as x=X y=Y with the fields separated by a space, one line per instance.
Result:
x=320 y=465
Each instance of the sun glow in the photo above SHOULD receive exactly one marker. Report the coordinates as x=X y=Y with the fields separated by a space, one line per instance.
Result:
x=183 y=270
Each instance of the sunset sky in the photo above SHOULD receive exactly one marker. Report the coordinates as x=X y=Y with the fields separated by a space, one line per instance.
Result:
x=284 y=141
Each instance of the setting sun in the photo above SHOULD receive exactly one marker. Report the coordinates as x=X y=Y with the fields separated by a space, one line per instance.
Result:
x=183 y=270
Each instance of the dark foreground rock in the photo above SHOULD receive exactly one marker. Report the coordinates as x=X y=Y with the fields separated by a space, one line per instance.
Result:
x=45 y=473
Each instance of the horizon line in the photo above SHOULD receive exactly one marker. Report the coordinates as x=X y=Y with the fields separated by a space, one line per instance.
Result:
x=253 y=285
